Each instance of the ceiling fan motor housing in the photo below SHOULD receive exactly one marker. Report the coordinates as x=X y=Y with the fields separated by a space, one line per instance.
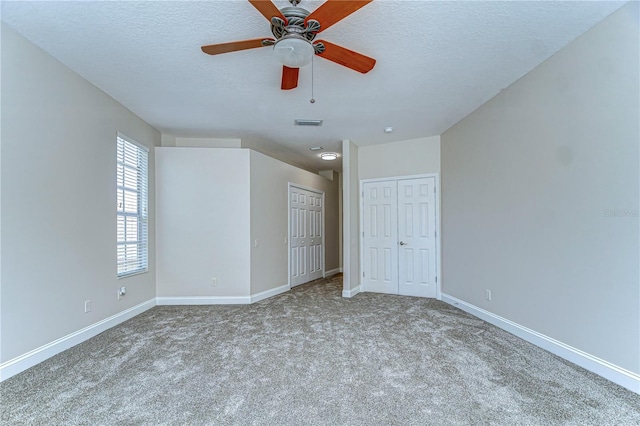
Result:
x=295 y=24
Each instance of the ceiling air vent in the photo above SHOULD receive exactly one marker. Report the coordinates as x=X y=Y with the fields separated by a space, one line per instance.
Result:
x=307 y=122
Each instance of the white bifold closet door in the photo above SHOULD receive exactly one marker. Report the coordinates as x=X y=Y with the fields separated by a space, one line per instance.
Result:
x=399 y=237
x=305 y=236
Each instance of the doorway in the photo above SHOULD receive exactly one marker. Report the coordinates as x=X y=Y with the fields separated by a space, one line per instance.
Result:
x=399 y=236
x=306 y=235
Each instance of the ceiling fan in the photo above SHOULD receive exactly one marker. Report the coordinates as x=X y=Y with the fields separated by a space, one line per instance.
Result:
x=295 y=29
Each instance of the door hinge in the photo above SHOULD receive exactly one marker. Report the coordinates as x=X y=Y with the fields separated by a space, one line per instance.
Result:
x=436 y=279
x=363 y=233
x=362 y=274
x=434 y=189
x=436 y=234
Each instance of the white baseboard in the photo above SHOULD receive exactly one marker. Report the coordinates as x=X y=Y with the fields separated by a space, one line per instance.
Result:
x=204 y=300
x=351 y=293
x=619 y=375
x=36 y=356
x=222 y=300
x=332 y=272
x=269 y=293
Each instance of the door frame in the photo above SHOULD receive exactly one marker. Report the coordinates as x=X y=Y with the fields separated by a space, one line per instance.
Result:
x=317 y=191
x=438 y=232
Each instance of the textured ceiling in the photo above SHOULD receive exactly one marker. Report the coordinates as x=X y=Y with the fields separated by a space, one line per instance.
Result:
x=436 y=62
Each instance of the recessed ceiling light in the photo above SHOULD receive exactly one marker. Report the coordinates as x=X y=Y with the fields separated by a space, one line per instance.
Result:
x=316 y=148
x=328 y=156
x=388 y=129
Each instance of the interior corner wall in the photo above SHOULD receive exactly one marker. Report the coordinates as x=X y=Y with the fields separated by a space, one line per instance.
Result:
x=203 y=218
x=403 y=158
x=207 y=142
x=167 y=140
x=540 y=197
x=269 y=219
x=350 y=218
x=59 y=201
x=340 y=223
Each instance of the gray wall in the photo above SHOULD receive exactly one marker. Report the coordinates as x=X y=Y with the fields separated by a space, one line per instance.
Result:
x=403 y=158
x=59 y=200
x=269 y=219
x=528 y=181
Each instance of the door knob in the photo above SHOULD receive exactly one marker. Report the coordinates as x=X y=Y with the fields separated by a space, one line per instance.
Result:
x=402 y=243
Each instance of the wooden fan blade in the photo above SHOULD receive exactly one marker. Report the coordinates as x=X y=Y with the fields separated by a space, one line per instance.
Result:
x=216 y=49
x=289 y=78
x=333 y=11
x=268 y=9
x=350 y=59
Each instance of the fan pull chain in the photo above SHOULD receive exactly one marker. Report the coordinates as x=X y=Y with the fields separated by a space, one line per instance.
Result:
x=312 y=100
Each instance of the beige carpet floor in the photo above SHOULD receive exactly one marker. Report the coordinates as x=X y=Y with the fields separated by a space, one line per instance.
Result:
x=309 y=356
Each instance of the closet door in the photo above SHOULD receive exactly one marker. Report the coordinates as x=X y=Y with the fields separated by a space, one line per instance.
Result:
x=314 y=235
x=399 y=237
x=306 y=246
x=380 y=237
x=298 y=257
x=417 y=237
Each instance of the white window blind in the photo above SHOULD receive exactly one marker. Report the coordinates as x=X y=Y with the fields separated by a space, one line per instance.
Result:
x=132 y=172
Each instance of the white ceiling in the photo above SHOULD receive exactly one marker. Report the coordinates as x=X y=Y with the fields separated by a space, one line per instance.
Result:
x=436 y=62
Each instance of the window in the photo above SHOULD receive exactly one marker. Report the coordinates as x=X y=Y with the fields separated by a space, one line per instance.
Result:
x=132 y=159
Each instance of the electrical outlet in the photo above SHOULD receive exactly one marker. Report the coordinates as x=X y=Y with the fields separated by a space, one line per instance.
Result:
x=87 y=306
x=121 y=292
x=214 y=282
x=488 y=295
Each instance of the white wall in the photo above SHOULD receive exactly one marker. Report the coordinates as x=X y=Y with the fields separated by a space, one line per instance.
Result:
x=59 y=200
x=269 y=219
x=0 y=206
x=340 y=224
x=213 y=204
x=202 y=222
x=350 y=218
x=528 y=180
x=410 y=157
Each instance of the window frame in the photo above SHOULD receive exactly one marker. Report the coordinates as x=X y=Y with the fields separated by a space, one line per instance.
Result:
x=141 y=257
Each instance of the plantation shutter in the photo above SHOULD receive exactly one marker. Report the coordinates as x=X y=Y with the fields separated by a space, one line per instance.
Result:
x=132 y=209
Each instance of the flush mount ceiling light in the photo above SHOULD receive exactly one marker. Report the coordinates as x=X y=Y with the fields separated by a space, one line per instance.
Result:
x=388 y=129
x=293 y=51
x=328 y=156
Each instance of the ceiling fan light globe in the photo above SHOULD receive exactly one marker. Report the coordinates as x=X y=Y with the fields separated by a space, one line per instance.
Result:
x=293 y=52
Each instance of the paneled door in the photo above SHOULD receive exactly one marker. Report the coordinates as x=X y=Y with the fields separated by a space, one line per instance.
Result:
x=380 y=230
x=306 y=246
x=417 y=238
x=399 y=237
